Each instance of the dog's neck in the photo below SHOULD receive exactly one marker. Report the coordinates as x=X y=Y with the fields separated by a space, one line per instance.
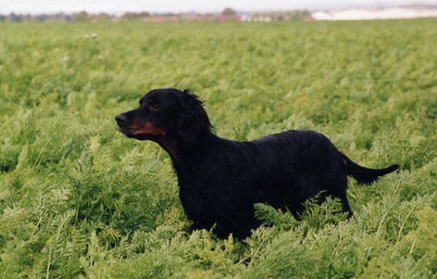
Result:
x=183 y=151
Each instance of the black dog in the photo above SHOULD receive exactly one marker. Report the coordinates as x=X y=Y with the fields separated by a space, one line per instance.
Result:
x=220 y=180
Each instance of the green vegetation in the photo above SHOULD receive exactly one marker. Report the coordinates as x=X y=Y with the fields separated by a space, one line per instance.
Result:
x=77 y=199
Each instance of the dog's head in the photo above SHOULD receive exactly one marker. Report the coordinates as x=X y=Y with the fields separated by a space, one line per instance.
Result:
x=166 y=114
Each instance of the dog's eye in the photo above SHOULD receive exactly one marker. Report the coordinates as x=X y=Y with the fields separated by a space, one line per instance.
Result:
x=153 y=104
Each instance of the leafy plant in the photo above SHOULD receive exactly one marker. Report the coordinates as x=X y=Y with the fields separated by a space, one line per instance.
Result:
x=78 y=200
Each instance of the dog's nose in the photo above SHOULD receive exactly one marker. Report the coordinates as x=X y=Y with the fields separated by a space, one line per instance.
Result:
x=121 y=119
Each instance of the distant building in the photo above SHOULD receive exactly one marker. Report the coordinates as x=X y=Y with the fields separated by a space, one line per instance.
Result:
x=371 y=14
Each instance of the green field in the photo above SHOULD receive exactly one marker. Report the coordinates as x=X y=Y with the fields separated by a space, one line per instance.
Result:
x=79 y=200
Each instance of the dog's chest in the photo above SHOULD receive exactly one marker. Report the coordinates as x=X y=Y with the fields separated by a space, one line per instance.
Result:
x=194 y=198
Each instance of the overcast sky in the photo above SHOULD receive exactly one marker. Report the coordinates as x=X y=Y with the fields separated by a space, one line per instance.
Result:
x=121 y=6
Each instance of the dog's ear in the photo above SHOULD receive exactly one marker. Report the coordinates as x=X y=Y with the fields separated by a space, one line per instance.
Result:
x=193 y=122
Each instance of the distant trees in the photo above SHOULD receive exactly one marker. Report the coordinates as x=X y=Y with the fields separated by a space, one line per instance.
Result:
x=81 y=16
x=286 y=15
x=229 y=12
x=129 y=16
x=226 y=15
x=61 y=17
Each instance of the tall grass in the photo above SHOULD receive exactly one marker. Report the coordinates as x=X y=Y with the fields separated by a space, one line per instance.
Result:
x=77 y=199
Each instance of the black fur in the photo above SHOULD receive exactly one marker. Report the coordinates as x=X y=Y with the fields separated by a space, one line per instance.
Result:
x=220 y=180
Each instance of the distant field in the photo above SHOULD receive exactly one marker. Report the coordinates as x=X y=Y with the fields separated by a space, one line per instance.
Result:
x=77 y=199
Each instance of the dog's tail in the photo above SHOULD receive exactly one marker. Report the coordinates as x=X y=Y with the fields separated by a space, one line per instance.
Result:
x=365 y=175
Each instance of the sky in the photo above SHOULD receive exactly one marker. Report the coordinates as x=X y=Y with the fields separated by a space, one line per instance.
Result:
x=176 y=6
